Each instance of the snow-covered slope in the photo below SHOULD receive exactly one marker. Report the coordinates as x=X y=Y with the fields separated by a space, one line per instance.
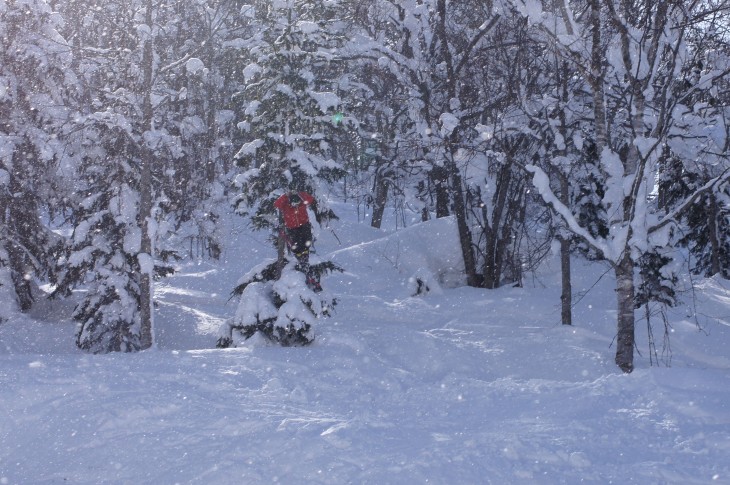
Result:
x=457 y=386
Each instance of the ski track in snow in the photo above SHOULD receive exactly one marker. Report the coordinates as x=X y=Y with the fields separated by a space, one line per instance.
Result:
x=466 y=386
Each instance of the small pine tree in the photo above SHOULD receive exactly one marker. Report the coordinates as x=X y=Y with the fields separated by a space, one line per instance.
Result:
x=281 y=308
x=708 y=234
x=102 y=253
x=656 y=292
x=587 y=198
x=657 y=279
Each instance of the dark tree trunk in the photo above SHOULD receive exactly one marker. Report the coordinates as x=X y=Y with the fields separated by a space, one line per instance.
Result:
x=145 y=188
x=715 y=246
x=17 y=260
x=461 y=223
x=492 y=232
x=382 y=185
x=280 y=250
x=440 y=179
x=566 y=295
x=491 y=276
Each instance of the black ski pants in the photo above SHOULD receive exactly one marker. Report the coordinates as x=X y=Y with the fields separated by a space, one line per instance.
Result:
x=300 y=240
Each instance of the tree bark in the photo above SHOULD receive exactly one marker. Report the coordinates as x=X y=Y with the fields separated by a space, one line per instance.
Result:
x=492 y=232
x=624 y=268
x=461 y=223
x=440 y=179
x=566 y=295
x=145 y=188
x=280 y=249
x=624 y=272
x=715 y=246
x=596 y=79
x=382 y=185
x=452 y=173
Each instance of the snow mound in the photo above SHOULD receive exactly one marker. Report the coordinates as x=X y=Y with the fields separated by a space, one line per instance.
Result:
x=427 y=250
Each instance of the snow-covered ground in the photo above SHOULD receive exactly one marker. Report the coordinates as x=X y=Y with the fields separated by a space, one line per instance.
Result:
x=458 y=386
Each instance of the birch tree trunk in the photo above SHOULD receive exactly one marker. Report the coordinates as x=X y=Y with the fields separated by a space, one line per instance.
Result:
x=492 y=251
x=624 y=268
x=624 y=272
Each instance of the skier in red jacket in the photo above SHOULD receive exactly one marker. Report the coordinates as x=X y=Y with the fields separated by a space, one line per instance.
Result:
x=298 y=230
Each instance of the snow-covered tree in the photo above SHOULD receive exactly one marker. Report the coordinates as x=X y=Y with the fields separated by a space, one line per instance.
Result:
x=110 y=250
x=140 y=142
x=103 y=254
x=278 y=305
x=288 y=102
x=433 y=49
x=35 y=63
x=384 y=164
x=629 y=55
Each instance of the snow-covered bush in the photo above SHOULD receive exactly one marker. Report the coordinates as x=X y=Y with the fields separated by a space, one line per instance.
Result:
x=424 y=282
x=281 y=309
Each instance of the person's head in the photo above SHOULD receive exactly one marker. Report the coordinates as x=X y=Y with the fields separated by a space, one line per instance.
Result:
x=294 y=198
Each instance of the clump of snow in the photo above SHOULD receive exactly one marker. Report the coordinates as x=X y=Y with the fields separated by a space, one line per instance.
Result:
x=486 y=133
x=307 y=27
x=325 y=100
x=248 y=11
x=532 y=9
x=132 y=240
x=449 y=123
x=255 y=305
x=251 y=71
x=249 y=149
x=424 y=282
x=146 y=263
x=194 y=66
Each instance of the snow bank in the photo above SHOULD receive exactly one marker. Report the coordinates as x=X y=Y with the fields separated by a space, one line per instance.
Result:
x=462 y=386
x=427 y=250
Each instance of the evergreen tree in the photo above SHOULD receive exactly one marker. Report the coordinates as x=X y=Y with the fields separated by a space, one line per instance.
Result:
x=128 y=140
x=278 y=304
x=34 y=76
x=103 y=253
x=629 y=54
x=289 y=102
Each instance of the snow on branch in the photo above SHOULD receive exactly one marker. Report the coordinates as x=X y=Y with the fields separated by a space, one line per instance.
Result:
x=541 y=182
x=671 y=218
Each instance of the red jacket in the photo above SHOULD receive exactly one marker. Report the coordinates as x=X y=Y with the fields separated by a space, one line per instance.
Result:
x=294 y=216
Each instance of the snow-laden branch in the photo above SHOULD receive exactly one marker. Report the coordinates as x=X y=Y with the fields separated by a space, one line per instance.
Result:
x=465 y=55
x=541 y=182
x=671 y=218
